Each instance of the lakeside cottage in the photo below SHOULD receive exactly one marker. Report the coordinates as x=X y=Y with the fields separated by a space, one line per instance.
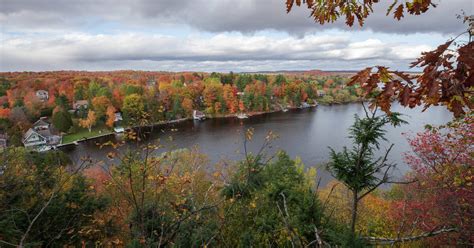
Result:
x=41 y=136
x=321 y=93
x=151 y=83
x=118 y=123
x=198 y=115
x=80 y=104
x=42 y=95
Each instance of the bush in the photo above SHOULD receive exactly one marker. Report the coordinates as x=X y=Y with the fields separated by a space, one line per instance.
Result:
x=274 y=204
x=34 y=181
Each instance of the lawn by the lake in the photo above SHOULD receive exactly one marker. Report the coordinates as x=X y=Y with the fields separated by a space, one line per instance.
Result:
x=84 y=133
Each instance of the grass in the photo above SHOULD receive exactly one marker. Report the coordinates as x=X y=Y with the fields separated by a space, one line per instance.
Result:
x=84 y=133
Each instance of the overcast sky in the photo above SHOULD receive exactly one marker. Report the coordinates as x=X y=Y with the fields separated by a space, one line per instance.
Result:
x=209 y=35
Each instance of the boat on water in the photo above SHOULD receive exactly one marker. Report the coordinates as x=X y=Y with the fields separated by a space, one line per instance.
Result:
x=242 y=116
x=304 y=105
x=284 y=109
x=44 y=148
x=198 y=115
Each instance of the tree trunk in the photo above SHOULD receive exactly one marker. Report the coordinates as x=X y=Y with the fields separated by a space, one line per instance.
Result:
x=354 y=211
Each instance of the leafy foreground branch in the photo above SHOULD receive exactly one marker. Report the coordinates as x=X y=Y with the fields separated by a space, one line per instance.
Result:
x=447 y=76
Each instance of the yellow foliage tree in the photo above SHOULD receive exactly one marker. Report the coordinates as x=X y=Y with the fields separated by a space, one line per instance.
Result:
x=374 y=218
x=89 y=121
x=100 y=104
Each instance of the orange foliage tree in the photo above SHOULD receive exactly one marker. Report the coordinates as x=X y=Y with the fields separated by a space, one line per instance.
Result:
x=187 y=105
x=230 y=98
x=4 y=113
x=100 y=104
x=110 y=116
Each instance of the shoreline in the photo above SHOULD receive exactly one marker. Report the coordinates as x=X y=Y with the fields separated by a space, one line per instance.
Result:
x=162 y=123
x=127 y=128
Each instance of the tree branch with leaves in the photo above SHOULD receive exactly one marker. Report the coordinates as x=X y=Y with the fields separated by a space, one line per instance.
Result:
x=447 y=76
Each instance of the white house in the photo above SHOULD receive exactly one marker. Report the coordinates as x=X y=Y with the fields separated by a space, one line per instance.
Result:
x=117 y=123
x=118 y=117
x=198 y=115
x=41 y=136
x=43 y=95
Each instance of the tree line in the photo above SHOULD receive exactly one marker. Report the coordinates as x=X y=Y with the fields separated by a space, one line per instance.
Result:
x=89 y=100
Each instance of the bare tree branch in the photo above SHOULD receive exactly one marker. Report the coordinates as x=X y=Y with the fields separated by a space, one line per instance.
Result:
x=389 y=241
x=23 y=238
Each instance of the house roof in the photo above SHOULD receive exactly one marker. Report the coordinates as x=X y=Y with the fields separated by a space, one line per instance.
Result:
x=81 y=102
x=29 y=133
x=3 y=140
x=45 y=132
x=198 y=112
x=41 y=122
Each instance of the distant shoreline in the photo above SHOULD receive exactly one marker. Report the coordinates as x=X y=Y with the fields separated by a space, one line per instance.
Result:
x=163 y=123
x=224 y=116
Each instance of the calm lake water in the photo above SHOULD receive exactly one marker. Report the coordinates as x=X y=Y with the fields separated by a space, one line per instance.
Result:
x=305 y=133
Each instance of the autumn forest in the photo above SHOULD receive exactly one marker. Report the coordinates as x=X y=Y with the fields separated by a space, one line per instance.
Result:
x=100 y=81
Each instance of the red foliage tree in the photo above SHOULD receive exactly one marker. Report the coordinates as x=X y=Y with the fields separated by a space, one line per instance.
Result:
x=443 y=194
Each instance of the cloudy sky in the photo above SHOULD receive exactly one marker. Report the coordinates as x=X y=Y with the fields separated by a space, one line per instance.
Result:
x=209 y=35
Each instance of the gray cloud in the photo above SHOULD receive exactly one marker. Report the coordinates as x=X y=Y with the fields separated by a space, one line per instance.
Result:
x=76 y=51
x=213 y=16
x=249 y=16
x=223 y=35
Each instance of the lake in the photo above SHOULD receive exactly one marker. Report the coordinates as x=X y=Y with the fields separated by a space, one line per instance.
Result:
x=306 y=133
